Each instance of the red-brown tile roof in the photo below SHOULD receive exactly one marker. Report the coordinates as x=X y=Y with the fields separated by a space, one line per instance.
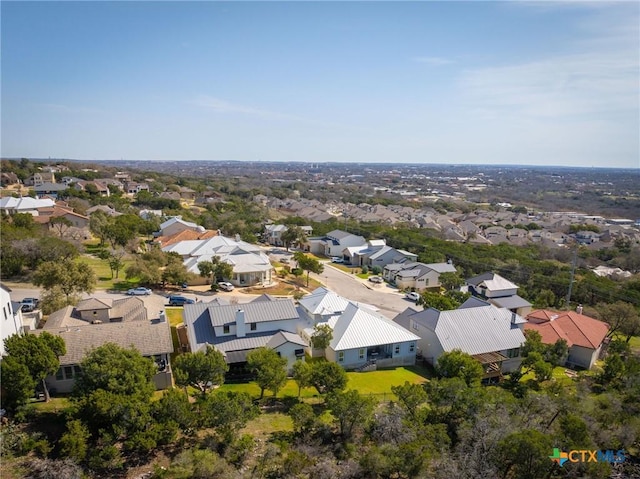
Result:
x=576 y=329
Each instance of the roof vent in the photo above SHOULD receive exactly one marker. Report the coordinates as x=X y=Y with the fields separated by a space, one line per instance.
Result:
x=554 y=317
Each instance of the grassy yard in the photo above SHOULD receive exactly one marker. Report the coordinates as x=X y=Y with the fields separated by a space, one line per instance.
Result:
x=103 y=273
x=376 y=383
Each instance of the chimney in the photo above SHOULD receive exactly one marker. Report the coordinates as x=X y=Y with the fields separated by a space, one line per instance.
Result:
x=579 y=309
x=163 y=316
x=240 y=325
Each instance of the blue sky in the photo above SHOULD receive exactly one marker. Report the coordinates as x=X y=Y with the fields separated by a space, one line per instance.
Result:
x=544 y=83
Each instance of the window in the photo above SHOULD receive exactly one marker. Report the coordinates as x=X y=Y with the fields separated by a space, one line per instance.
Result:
x=361 y=354
x=341 y=357
x=4 y=310
x=225 y=329
x=412 y=348
x=254 y=326
x=414 y=325
x=396 y=349
x=513 y=353
x=68 y=372
x=59 y=374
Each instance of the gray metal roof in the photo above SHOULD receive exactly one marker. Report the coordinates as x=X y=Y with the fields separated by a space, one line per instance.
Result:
x=473 y=330
x=260 y=312
x=511 y=302
x=149 y=338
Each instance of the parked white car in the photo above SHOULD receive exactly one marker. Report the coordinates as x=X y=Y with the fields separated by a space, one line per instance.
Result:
x=139 y=291
x=337 y=259
x=224 y=286
x=412 y=296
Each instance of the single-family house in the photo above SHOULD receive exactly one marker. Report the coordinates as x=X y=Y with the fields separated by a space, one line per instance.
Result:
x=273 y=233
x=376 y=253
x=41 y=178
x=584 y=335
x=96 y=322
x=416 y=276
x=11 y=320
x=176 y=225
x=237 y=329
x=498 y=291
x=76 y=220
x=334 y=243
x=250 y=265
x=8 y=178
x=10 y=205
x=491 y=335
x=362 y=338
x=107 y=210
x=49 y=189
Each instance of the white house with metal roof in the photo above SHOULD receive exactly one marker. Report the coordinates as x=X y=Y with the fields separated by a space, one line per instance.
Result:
x=250 y=265
x=334 y=243
x=498 y=291
x=361 y=336
x=491 y=335
x=416 y=276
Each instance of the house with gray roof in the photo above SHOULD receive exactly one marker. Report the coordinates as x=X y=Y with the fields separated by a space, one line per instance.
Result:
x=498 y=291
x=362 y=338
x=333 y=243
x=151 y=338
x=492 y=335
x=237 y=329
x=376 y=253
x=416 y=276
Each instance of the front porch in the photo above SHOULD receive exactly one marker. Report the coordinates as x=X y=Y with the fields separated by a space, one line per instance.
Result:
x=491 y=364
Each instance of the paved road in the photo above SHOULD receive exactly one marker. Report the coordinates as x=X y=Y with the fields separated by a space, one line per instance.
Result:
x=387 y=299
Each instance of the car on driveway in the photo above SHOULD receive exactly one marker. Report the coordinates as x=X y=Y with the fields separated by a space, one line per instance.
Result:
x=412 y=296
x=140 y=291
x=224 y=286
x=29 y=304
x=337 y=259
x=376 y=279
x=180 y=301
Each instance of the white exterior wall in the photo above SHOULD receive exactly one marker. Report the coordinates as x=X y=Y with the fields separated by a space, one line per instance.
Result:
x=10 y=324
x=499 y=293
x=287 y=351
x=352 y=359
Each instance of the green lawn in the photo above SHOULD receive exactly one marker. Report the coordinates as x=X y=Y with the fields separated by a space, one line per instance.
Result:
x=377 y=383
x=103 y=273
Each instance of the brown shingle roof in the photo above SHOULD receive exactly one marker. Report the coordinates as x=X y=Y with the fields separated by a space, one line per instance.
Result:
x=186 y=235
x=147 y=337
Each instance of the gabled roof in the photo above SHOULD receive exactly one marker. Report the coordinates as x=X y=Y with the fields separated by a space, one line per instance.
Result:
x=26 y=203
x=511 y=302
x=149 y=338
x=492 y=281
x=174 y=220
x=361 y=328
x=323 y=301
x=92 y=304
x=263 y=297
x=282 y=337
x=474 y=330
x=260 y=312
x=576 y=329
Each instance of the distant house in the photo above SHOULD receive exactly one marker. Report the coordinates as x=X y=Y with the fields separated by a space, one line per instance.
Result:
x=134 y=188
x=273 y=233
x=498 y=291
x=416 y=276
x=585 y=336
x=235 y=330
x=362 y=338
x=9 y=179
x=491 y=335
x=45 y=215
x=250 y=265
x=49 y=189
x=107 y=210
x=334 y=243
x=10 y=205
x=176 y=225
x=94 y=323
x=376 y=253
x=41 y=178
x=146 y=214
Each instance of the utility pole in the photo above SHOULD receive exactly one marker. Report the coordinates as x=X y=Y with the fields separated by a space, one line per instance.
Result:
x=573 y=272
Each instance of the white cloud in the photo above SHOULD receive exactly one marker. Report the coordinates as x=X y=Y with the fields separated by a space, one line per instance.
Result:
x=223 y=106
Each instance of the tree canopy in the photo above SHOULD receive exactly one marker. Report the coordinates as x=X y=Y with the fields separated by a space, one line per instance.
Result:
x=202 y=370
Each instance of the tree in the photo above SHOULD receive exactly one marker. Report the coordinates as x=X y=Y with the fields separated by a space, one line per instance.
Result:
x=535 y=362
x=545 y=299
x=227 y=411
x=174 y=408
x=302 y=375
x=17 y=384
x=410 y=396
x=175 y=272
x=39 y=353
x=457 y=364
x=621 y=317
x=303 y=417
x=308 y=264
x=69 y=276
x=100 y=224
x=269 y=369
x=215 y=269
x=525 y=452
x=322 y=336
x=327 y=377
x=437 y=301
x=203 y=369
x=74 y=442
x=54 y=299
x=451 y=280
x=350 y=408
x=293 y=235
x=60 y=224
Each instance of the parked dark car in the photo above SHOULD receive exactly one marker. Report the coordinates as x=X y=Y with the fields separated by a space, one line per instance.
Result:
x=179 y=301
